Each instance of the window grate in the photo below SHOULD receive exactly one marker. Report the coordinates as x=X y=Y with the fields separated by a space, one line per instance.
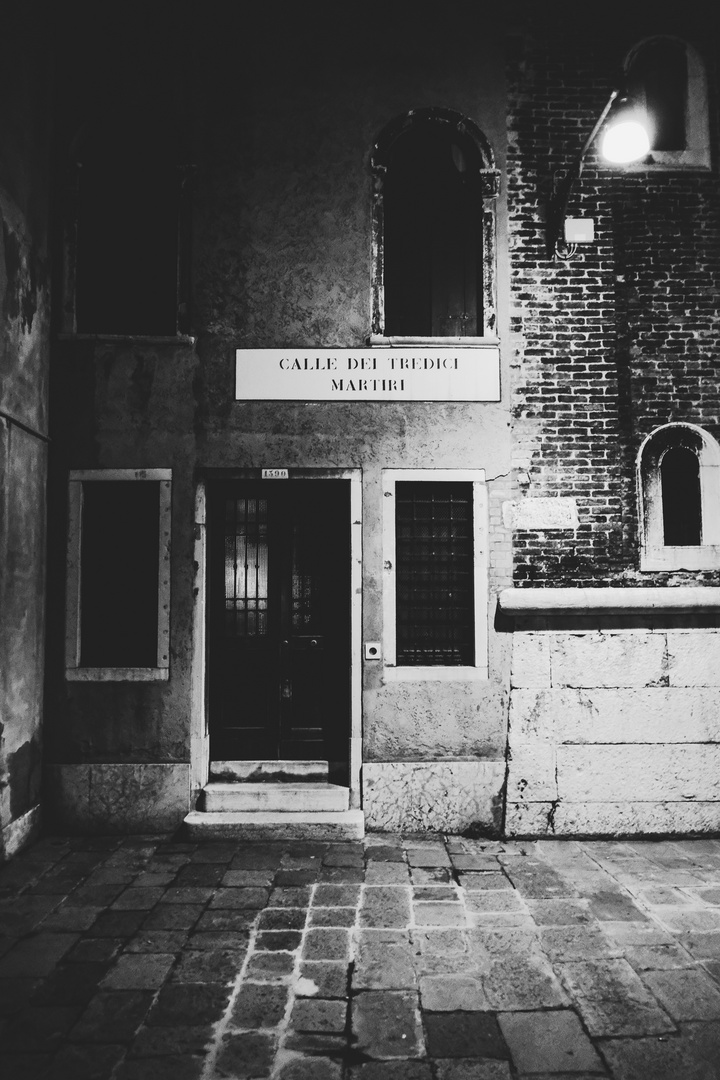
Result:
x=434 y=573
x=246 y=567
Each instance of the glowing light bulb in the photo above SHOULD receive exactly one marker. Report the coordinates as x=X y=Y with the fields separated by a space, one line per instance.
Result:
x=625 y=141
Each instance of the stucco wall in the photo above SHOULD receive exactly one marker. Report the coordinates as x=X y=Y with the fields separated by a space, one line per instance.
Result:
x=24 y=346
x=282 y=256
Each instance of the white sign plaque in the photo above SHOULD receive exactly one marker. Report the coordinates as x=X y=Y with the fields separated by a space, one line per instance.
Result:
x=410 y=373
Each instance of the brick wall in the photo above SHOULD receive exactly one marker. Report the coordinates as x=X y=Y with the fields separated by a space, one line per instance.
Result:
x=621 y=339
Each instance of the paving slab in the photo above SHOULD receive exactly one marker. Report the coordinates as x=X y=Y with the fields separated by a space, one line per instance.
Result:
x=685 y=994
x=464 y=1035
x=692 y=1054
x=392 y=1070
x=152 y=957
x=549 y=1042
x=259 y=1005
x=452 y=993
x=472 y=1069
x=387 y=1025
x=385 y=906
x=300 y=1067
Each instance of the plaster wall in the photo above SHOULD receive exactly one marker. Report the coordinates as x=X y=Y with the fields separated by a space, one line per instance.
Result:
x=282 y=256
x=614 y=730
x=24 y=347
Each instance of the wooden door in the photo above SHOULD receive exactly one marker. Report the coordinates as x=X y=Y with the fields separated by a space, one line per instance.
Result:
x=279 y=643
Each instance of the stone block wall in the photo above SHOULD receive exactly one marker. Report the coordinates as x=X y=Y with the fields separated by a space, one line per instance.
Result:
x=614 y=731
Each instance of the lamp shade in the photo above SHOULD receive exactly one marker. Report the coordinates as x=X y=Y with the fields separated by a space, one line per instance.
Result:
x=626 y=136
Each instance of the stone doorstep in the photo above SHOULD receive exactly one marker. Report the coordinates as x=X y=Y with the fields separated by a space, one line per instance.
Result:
x=285 y=797
x=274 y=825
x=264 y=771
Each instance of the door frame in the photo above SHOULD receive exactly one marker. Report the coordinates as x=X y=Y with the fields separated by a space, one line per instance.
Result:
x=199 y=712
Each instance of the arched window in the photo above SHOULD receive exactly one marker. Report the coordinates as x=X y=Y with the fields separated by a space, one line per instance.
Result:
x=666 y=77
x=434 y=228
x=681 y=501
x=124 y=229
x=679 y=489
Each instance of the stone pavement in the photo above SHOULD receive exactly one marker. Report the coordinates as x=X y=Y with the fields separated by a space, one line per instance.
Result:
x=396 y=958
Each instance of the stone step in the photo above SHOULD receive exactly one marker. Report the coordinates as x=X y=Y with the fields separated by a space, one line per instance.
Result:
x=249 y=771
x=268 y=825
x=284 y=797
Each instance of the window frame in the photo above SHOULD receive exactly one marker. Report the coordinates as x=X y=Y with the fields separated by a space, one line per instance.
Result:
x=655 y=554
x=70 y=212
x=696 y=154
x=74 y=672
x=489 y=184
x=435 y=672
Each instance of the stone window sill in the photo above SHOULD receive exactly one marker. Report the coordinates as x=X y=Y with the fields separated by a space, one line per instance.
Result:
x=670 y=557
x=106 y=674
x=436 y=342
x=610 y=600
x=150 y=339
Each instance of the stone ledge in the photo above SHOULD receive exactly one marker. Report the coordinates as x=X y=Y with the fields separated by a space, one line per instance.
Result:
x=612 y=600
x=269 y=825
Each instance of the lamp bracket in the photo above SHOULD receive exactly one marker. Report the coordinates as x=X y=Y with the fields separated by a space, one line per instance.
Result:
x=562 y=186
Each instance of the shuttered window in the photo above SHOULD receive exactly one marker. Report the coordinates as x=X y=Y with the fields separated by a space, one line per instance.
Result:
x=118 y=575
x=681 y=497
x=433 y=235
x=434 y=573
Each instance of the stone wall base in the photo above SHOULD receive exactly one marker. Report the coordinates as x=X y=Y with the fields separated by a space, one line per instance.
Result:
x=537 y=819
x=614 y=725
x=19 y=833
x=116 y=798
x=434 y=796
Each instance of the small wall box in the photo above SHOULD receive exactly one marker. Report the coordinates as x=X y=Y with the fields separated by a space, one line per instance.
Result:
x=373 y=650
x=579 y=230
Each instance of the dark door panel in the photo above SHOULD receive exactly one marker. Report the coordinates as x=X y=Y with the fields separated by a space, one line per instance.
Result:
x=279 y=620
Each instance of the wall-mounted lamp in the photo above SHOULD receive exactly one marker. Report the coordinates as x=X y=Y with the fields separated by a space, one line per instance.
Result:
x=625 y=138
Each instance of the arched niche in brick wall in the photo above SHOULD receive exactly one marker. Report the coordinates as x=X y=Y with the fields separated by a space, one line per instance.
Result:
x=678 y=476
x=435 y=185
x=666 y=76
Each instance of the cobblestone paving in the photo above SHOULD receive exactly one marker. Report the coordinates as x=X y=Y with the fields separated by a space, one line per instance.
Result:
x=396 y=958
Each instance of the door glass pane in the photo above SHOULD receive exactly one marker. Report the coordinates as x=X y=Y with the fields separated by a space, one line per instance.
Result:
x=302 y=577
x=246 y=567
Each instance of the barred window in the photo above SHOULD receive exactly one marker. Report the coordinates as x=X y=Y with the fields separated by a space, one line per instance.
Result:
x=434 y=573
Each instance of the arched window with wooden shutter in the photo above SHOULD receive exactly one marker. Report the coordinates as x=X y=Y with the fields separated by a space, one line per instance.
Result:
x=435 y=186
